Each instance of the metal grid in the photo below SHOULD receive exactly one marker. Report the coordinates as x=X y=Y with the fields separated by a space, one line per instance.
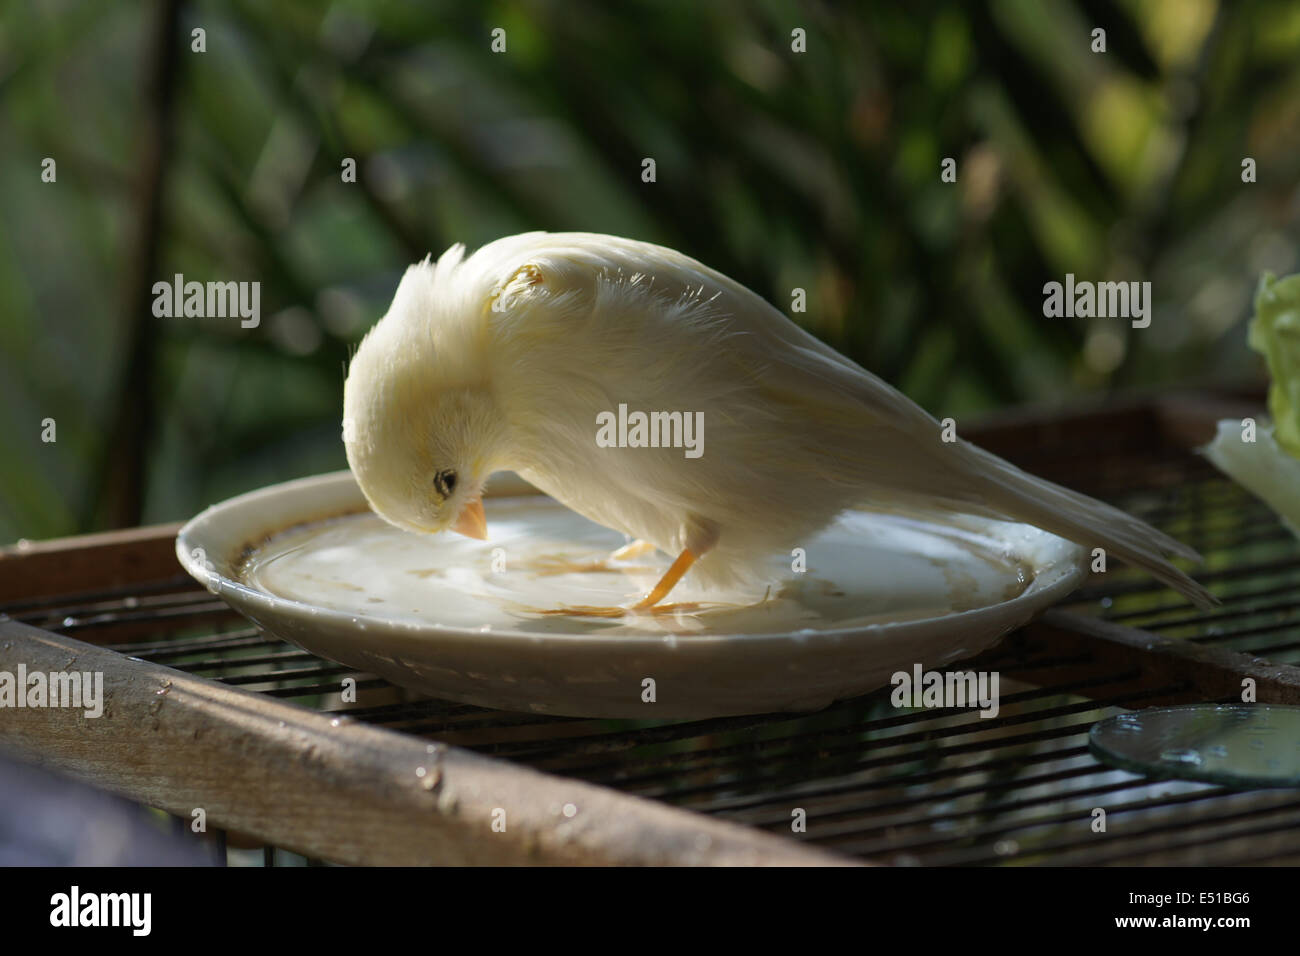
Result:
x=933 y=787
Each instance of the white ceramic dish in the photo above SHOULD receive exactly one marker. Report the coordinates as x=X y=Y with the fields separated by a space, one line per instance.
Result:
x=456 y=618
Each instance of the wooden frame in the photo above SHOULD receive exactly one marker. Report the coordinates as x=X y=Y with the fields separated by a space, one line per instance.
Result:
x=339 y=790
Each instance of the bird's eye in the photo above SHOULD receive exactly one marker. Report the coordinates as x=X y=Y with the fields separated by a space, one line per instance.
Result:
x=444 y=482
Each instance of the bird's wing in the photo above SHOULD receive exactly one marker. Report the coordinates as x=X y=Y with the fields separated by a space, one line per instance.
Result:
x=758 y=334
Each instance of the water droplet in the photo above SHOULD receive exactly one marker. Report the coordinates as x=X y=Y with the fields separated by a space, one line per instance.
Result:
x=420 y=771
x=1126 y=725
x=1183 y=755
x=335 y=722
x=69 y=621
x=570 y=810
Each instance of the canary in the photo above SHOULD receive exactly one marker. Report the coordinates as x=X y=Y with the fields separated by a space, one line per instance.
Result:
x=521 y=356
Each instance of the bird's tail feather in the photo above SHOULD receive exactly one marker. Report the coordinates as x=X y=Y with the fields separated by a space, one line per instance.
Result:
x=1086 y=521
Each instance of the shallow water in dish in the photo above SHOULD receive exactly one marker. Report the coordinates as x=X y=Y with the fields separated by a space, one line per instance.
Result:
x=865 y=568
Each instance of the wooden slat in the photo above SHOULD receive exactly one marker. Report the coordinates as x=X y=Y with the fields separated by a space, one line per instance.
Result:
x=1193 y=420
x=32 y=569
x=350 y=793
x=1207 y=673
x=1048 y=441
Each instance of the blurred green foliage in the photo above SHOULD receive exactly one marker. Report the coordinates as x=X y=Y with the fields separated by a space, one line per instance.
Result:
x=817 y=170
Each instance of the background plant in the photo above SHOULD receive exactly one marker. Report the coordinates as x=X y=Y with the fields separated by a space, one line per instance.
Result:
x=817 y=170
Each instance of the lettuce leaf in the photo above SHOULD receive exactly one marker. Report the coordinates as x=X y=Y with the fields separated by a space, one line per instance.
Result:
x=1259 y=466
x=1269 y=466
x=1275 y=332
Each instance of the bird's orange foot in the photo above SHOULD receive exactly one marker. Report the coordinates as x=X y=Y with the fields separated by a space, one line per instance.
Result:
x=649 y=603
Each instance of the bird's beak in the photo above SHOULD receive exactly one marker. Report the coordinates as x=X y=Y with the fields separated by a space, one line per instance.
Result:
x=472 y=523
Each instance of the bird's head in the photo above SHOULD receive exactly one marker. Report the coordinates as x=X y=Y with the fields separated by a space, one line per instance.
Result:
x=420 y=425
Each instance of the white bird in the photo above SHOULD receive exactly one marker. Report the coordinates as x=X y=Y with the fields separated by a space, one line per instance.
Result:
x=506 y=360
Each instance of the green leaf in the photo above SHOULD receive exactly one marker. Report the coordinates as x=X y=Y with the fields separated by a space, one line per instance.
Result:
x=1275 y=332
